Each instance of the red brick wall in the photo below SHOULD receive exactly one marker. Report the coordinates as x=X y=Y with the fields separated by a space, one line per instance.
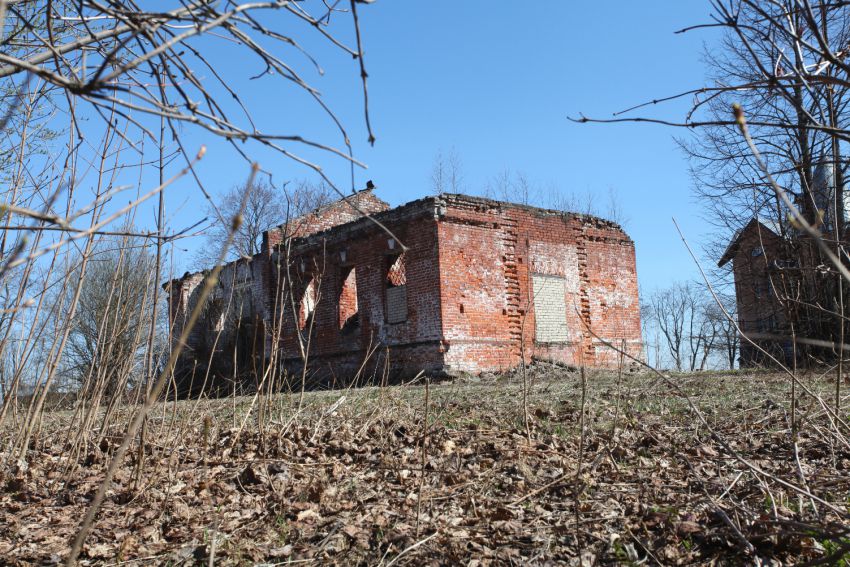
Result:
x=181 y=301
x=412 y=344
x=759 y=309
x=489 y=253
x=264 y=271
x=610 y=279
x=467 y=275
x=479 y=322
x=755 y=299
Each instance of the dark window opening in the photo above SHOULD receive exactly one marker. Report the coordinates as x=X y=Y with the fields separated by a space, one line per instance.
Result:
x=245 y=304
x=215 y=315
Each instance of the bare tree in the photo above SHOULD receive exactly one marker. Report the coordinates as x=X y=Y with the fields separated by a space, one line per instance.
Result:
x=589 y=203
x=512 y=186
x=779 y=154
x=683 y=315
x=705 y=332
x=106 y=346
x=670 y=309
x=727 y=337
x=105 y=52
x=267 y=207
x=447 y=173
x=120 y=85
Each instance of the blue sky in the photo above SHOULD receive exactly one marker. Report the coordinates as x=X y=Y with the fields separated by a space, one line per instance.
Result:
x=495 y=82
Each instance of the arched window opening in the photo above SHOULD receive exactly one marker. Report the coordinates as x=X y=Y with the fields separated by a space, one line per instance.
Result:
x=349 y=317
x=308 y=304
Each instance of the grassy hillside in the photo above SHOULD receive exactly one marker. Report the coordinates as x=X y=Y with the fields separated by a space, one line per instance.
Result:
x=622 y=471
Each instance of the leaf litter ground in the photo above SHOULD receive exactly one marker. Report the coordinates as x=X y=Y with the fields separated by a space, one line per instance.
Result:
x=355 y=477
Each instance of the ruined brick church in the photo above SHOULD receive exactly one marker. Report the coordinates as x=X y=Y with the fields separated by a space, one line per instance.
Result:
x=462 y=284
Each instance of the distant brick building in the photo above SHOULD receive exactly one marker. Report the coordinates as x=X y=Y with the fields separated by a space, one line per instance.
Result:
x=786 y=290
x=465 y=285
x=760 y=266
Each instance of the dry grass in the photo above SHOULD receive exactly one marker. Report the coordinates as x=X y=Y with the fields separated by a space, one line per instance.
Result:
x=246 y=480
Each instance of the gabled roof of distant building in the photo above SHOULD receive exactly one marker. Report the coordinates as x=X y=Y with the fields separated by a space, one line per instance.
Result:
x=769 y=225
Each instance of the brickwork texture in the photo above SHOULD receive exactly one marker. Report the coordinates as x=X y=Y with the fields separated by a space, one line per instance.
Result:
x=465 y=284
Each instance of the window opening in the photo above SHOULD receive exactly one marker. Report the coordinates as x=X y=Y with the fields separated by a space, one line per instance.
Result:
x=215 y=315
x=349 y=317
x=396 y=289
x=308 y=304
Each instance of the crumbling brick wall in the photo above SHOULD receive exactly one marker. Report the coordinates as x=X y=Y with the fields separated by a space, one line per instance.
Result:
x=247 y=290
x=464 y=284
x=231 y=327
x=397 y=323
x=333 y=214
x=494 y=257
